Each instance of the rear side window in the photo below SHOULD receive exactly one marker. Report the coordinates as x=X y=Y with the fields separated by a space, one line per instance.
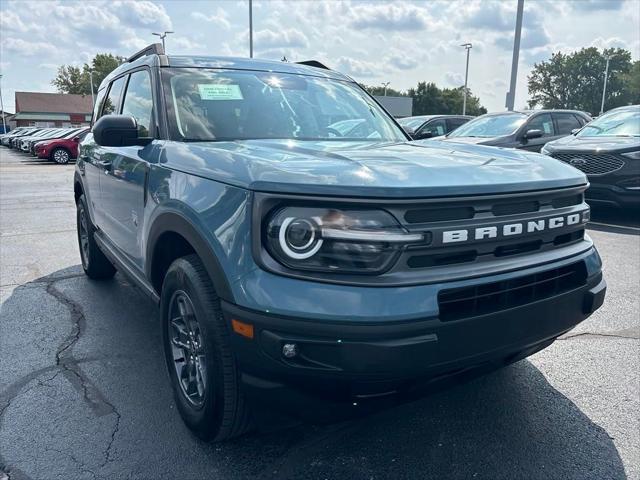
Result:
x=566 y=122
x=113 y=98
x=138 y=101
x=542 y=122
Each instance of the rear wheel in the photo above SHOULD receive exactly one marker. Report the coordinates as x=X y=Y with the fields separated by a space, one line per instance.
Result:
x=60 y=156
x=201 y=365
x=94 y=263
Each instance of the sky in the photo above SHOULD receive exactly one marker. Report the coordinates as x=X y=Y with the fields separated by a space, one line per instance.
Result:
x=400 y=42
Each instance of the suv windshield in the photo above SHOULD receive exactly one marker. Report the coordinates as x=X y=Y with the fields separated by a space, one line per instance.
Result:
x=622 y=123
x=490 y=126
x=210 y=105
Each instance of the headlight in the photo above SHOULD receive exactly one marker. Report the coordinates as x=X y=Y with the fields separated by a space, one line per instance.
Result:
x=335 y=240
x=544 y=150
x=635 y=155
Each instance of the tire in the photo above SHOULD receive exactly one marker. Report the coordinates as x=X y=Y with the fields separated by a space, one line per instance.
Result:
x=215 y=409
x=94 y=263
x=60 y=155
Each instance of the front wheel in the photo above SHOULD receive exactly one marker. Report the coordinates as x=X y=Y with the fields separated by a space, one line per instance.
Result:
x=61 y=156
x=201 y=365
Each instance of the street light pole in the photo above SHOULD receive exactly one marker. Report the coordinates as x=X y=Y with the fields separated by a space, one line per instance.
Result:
x=511 y=94
x=604 y=88
x=468 y=48
x=250 y=29
x=385 y=85
x=93 y=98
x=4 y=125
x=162 y=36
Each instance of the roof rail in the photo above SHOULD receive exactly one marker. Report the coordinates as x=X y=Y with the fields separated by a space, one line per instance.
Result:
x=153 y=49
x=314 y=63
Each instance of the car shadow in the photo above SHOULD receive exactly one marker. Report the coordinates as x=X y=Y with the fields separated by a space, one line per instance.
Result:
x=510 y=424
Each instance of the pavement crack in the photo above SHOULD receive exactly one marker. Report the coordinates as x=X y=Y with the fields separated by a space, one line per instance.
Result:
x=107 y=453
x=628 y=333
x=65 y=359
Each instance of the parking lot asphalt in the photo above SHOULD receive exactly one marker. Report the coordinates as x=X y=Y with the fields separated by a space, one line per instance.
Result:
x=84 y=393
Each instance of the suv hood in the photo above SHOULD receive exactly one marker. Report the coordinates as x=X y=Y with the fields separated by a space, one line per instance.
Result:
x=594 y=144
x=367 y=169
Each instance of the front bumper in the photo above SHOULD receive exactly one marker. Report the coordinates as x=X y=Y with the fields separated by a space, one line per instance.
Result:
x=611 y=194
x=41 y=152
x=346 y=367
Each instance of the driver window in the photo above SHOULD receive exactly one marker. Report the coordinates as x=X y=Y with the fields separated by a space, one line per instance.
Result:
x=435 y=128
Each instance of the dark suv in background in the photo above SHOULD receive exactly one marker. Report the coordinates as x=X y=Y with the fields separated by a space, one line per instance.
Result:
x=608 y=151
x=527 y=129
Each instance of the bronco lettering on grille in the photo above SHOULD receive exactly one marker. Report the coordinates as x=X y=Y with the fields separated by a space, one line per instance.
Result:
x=513 y=229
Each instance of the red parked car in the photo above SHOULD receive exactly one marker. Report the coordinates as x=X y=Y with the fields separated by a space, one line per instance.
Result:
x=60 y=150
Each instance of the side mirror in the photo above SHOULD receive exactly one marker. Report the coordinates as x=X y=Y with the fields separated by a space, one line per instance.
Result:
x=76 y=139
x=425 y=134
x=534 y=133
x=118 y=131
x=575 y=130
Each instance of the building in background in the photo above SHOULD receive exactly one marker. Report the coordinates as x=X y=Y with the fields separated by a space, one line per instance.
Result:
x=52 y=109
x=8 y=121
x=397 y=106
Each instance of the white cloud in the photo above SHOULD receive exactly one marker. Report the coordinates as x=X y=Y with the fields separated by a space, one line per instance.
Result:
x=611 y=42
x=390 y=16
x=26 y=48
x=454 y=79
x=10 y=21
x=220 y=18
x=598 y=5
x=142 y=14
x=358 y=68
x=268 y=39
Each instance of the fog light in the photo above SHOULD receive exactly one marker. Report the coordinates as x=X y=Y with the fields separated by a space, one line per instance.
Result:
x=289 y=350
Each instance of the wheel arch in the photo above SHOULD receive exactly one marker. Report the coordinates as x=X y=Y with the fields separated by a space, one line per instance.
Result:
x=171 y=228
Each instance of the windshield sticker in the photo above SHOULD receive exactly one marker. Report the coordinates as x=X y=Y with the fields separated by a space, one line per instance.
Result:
x=219 y=91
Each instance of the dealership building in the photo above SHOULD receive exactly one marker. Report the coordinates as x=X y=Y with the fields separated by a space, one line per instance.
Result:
x=36 y=109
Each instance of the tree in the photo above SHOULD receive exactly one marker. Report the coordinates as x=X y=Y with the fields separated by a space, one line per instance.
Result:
x=632 y=83
x=575 y=80
x=379 y=91
x=429 y=99
x=71 y=79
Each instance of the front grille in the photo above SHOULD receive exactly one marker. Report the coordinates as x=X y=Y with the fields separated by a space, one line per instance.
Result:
x=592 y=163
x=483 y=299
x=434 y=217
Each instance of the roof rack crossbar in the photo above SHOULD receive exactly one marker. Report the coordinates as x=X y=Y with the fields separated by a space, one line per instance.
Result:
x=314 y=63
x=153 y=49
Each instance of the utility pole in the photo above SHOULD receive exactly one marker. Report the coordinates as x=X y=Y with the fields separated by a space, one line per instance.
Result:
x=162 y=36
x=4 y=125
x=385 y=85
x=468 y=48
x=511 y=94
x=250 y=29
x=93 y=97
x=604 y=88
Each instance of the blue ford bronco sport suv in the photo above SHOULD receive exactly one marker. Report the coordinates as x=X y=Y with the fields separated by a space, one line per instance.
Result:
x=304 y=265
